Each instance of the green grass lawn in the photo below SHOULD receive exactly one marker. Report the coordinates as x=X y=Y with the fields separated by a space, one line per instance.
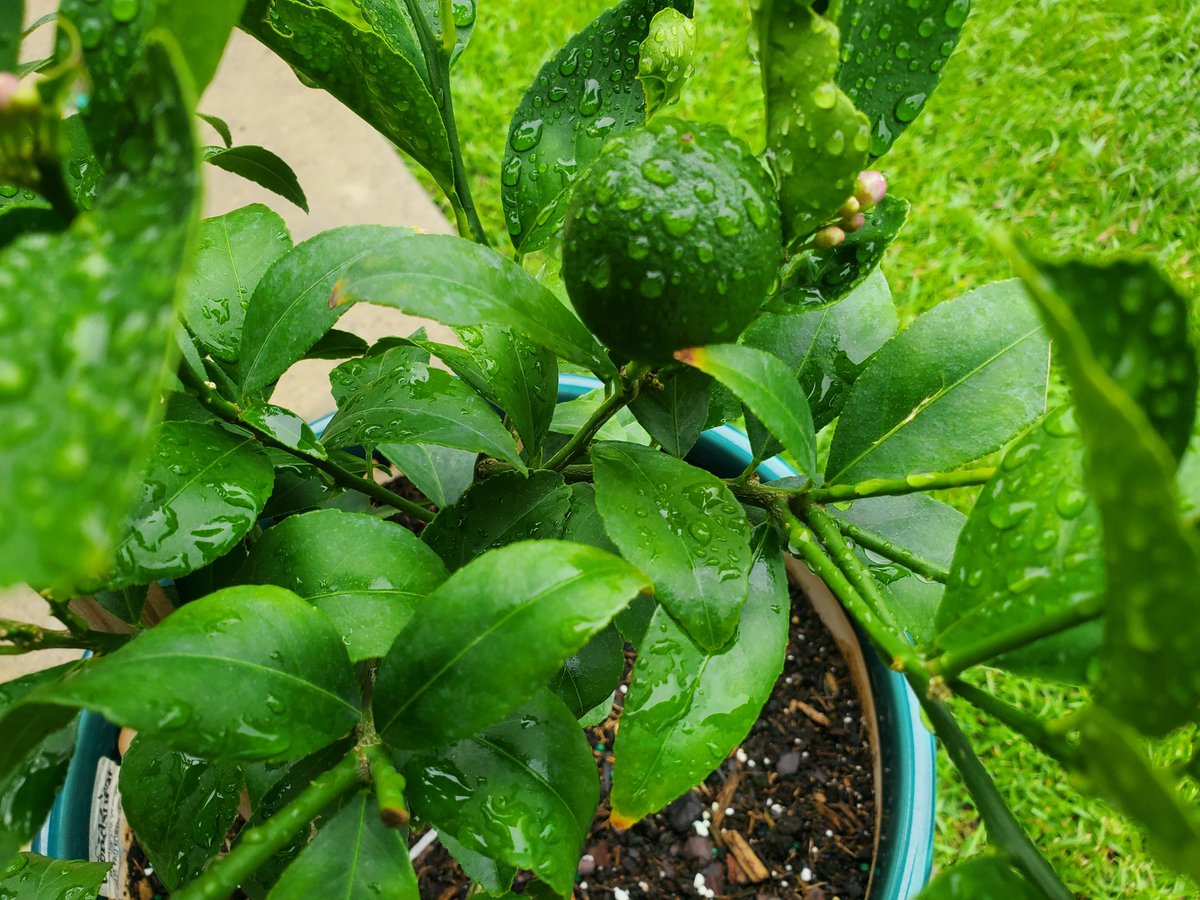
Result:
x=1076 y=124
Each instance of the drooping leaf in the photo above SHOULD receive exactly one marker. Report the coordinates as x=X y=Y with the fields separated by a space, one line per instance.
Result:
x=353 y=855
x=688 y=708
x=442 y=474
x=502 y=510
x=982 y=358
x=388 y=359
x=585 y=94
x=337 y=344
x=287 y=686
x=179 y=806
x=284 y=426
x=682 y=527
x=261 y=166
x=234 y=251
x=816 y=138
x=493 y=635
x=1031 y=548
x=31 y=877
x=366 y=574
x=381 y=77
x=458 y=282
x=980 y=878
x=768 y=388
x=892 y=58
x=819 y=277
x=523 y=791
x=1149 y=675
x=922 y=526
x=219 y=125
x=674 y=414
x=202 y=492
x=590 y=676
x=494 y=877
x=827 y=348
x=79 y=376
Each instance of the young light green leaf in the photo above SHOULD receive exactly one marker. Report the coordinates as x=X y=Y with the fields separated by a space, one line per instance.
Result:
x=589 y=677
x=202 y=492
x=673 y=410
x=688 y=708
x=524 y=791
x=80 y=377
x=684 y=529
x=982 y=358
x=287 y=686
x=179 y=806
x=1031 y=548
x=442 y=474
x=366 y=574
x=570 y=416
x=381 y=76
x=28 y=876
x=220 y=126
x=584 y=95
x=819 y=277
x=1149 y=674
x=261 y=166
x=458 y=282
x=353 y=855
x=233 y=253
x=768 y=388
x=493 y=635
x=827 y=348
x=816 y=138
x=980 y=878
x=666 y=58
x=502 y=510
x=892 y=58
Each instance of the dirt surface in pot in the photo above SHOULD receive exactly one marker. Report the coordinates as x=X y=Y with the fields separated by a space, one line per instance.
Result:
x=791 y=813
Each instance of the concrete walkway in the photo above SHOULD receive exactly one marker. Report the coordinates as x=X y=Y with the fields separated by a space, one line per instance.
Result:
x=351 y=176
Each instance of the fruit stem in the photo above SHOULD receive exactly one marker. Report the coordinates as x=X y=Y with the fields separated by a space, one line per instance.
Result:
x=625 y=392
x=1029 y=727
x=389 y=788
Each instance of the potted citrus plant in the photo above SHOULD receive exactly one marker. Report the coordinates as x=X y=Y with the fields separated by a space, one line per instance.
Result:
x=345 y=676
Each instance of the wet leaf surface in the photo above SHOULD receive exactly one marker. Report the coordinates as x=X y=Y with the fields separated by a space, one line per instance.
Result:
x=261 y=166
x=442 y=474
x=980 y=878
x=284 y=426
x=589 y=677
x=674 y=414
x=31 y=877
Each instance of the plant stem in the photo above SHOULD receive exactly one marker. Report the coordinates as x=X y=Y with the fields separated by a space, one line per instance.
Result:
x=629 y=385
x=25 y=637
x=869 y=540
x=910 y=484
x=1029 y=727
x=751 y=468
x=859 y=575
x=1003 y=829
x=389 y=788
x=257 y=845
x=952 y=662
x=53 y=186
x=222 y=408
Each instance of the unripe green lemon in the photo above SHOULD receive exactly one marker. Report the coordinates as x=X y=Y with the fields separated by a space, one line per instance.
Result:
x=672 y=240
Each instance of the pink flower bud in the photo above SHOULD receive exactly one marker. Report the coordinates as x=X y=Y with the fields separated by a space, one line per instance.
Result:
x=870 y=188
x=9 y=85
x=829 y=236
x=857 y=221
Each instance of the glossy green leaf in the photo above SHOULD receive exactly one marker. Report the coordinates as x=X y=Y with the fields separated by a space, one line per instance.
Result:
x=32 y=877
x=494 y=877
x=219 y=125
x=892 y=59
x=688 y=708
x=39 y=763
x=980 y=878
x=299 y=486
x=1114 y=765
x=816 y=138
x=380 y=76
x=922 y=526
x=589 y=677
x=458 y=282
x=419 y=405
x=463 y=13
x=821 y=276
x=125 y=603
x=1149 y=673
x=571 y=415
x=284 y=426
x=336 y=344
x=262 y=167
x=673 y=409
x=202 y=492
x=499 y=511
x=667 y=58
x=828 y=348
x=12 y=18
x=354 y=855
x=233 y=253
x=179 y=806
x=1031 y=548
x=584 y=95
x=684 y=529
x=523 y=791
x=768 y=388
x=584 y=525
x=442 y=474
x=494 y=634
x=387 y=360
x=80 y=377
x=366 y=574
x=1140 y=335
x=982 y=358
x=286 y=683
